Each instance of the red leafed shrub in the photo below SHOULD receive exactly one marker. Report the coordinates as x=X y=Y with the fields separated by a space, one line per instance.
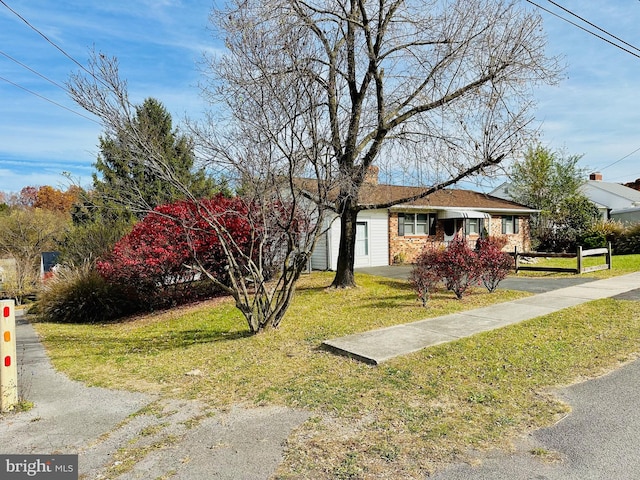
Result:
x=458 y=266
x=495 y=264
x=154 y=260
x=425 y=275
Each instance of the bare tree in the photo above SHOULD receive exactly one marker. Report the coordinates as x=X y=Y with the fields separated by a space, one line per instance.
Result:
x=441 y=88
x=26 y=233
x=261 y=272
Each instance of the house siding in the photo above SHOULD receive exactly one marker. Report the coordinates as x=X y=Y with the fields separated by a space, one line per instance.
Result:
x=325 y=255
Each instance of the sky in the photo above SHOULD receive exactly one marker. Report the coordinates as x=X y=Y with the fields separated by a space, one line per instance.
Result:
x=594 y=111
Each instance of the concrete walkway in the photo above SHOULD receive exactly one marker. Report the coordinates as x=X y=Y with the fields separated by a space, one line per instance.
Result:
x=378 y=346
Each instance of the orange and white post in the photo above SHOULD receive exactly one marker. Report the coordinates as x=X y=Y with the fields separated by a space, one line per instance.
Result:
x=8 y=366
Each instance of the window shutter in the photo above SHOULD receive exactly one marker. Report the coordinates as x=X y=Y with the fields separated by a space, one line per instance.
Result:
x=401 y=224
x=504 y=225
x=432 y=224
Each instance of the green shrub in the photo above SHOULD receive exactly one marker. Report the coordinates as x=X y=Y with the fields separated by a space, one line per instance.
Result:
x=593 y=240
x=81 y=295
x=629 y=241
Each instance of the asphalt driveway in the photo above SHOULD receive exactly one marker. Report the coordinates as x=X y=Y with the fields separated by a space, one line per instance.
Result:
x=513 y=282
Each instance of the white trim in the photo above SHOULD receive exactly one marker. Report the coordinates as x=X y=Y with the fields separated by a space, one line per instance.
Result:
x=445 y=214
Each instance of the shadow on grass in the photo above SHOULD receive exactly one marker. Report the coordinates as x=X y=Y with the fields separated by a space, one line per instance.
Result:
x=151 y=342
x=396 y=284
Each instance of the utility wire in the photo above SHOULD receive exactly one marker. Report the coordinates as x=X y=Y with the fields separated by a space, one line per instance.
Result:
x=53 y=82
x=619 y=160
x=46 y=38
x=593 y=25
x=48 y=100
x=600 y=37
x=585 y=29
x=42 y=76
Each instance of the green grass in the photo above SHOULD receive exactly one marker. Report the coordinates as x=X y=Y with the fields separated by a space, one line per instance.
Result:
x=400 y=419
x=621 y=264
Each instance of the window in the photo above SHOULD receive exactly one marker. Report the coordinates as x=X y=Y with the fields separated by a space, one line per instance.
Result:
x=473 y=226
x=362 y=239
x=416 y=224
x=510 y=225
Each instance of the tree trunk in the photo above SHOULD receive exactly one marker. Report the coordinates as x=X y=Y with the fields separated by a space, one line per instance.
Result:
x=347 y=253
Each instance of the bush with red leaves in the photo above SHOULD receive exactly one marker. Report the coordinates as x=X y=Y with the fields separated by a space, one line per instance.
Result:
x=459 y=267
x=155 y=261
x=495 y=264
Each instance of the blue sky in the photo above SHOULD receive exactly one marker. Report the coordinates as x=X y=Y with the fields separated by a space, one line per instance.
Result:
x=595 y=111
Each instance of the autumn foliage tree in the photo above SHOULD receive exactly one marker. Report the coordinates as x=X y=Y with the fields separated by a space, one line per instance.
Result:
x=48 y=198
x=168 y=248
x=252 y=253
x=284 y=228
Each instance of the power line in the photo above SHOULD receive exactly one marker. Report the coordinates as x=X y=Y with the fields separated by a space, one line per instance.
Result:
x=61 y=50
x=592 y=24
x=48 y=100
x=47 y=39
x=619 y=160
x=53 y=82
x=585 y=29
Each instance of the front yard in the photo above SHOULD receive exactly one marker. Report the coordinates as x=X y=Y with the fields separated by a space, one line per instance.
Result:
x=399 y=420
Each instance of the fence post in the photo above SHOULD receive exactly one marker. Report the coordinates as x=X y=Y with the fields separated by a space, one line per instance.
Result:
x=8 y=367
x=609 y=255
x=579 y=259
x=515 y=256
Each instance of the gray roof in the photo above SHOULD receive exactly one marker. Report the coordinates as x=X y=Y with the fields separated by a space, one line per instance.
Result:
x=633 y=196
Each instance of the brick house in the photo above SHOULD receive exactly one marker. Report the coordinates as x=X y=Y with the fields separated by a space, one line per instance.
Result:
x=398 y=233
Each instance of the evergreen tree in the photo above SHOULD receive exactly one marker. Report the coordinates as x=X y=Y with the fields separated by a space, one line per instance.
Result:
x=124 y=184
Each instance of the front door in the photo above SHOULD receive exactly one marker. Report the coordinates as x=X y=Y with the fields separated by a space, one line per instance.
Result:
x=450 y=228
x=362 y=245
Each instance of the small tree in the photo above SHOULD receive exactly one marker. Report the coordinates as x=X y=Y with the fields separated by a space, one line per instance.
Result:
x=550 y=181
x=25 y=234
x=495 y=264
x=425 y=276
x=283 y=226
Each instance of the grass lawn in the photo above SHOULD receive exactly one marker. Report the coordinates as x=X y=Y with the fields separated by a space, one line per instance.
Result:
x=621 y=264
x=398 y=420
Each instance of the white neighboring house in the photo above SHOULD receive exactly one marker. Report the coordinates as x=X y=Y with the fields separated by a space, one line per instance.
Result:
x=615 y=201
x=620 y=203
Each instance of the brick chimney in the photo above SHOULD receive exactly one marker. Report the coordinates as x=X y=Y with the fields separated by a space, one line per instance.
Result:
x=371 y=177
x=597 y=176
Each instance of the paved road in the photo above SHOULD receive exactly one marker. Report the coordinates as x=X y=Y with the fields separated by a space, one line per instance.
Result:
x=598 y=440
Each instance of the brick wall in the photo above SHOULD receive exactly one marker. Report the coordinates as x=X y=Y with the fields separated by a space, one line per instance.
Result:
x=405 y=249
